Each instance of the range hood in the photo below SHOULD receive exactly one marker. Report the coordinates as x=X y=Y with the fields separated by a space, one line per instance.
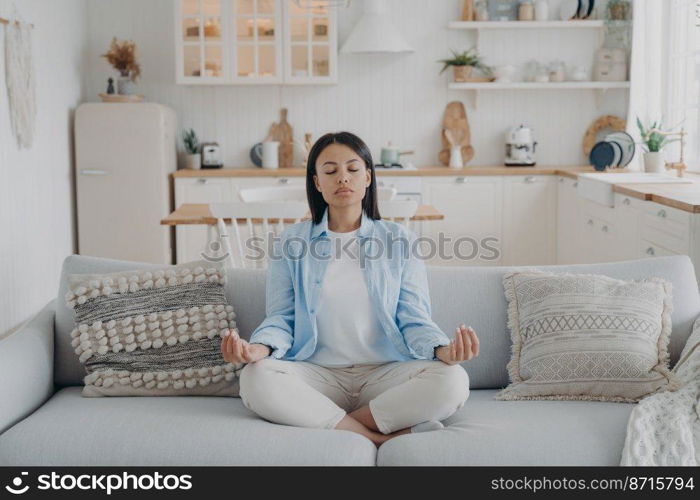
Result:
x=375 y=32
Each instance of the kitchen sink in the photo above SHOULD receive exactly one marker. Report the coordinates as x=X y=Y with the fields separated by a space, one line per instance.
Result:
x=599 y=187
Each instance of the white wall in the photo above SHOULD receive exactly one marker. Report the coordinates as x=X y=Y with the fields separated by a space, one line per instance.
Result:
x=380 y=97
x=36 y=185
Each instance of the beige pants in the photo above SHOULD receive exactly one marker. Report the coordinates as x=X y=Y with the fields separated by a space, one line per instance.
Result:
x=400 y=394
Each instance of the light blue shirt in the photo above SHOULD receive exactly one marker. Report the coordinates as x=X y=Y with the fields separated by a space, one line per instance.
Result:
x=396 y=280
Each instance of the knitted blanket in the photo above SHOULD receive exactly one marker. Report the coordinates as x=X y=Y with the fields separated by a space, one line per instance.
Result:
x=664 y=428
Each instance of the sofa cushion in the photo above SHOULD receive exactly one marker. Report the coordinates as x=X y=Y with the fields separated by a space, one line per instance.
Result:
x=474 y=296
x=184 y=431
x=153 y=332
x=490 y=432
x=587 y=337
x=243 y=293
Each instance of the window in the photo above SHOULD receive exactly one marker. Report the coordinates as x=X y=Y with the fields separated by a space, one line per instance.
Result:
x=683 y=84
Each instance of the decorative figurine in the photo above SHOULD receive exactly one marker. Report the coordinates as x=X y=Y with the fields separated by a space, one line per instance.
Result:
x=110 y=85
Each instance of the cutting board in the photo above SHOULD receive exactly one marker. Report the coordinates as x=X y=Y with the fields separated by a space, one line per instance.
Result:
x=282 y=132
x=455 y=119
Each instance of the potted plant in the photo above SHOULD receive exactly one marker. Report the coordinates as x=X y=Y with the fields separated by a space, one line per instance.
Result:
x=192 y=158
x=122 y=55
x=463 y=64
x=618 y=10
x=654 y=139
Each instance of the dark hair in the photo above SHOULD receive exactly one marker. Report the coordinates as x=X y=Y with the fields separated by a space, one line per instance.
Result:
x=317 y=205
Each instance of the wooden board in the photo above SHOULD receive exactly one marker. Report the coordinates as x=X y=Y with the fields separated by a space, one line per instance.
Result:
x=455 y=118
x=468 y=10
x=199 y=213
x=282 y=132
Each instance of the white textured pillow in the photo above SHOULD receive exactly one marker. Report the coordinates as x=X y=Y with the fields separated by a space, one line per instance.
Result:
x=153 y=333
x=587 y=337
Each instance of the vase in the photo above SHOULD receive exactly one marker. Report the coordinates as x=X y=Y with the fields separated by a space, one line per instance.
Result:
x=541 y=10
x=654 y=162
x=193 y=161
x=456 y=160
x=462 y=73
x=125 y=86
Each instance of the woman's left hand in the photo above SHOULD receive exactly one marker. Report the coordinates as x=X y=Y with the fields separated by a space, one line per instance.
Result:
x=464 y=346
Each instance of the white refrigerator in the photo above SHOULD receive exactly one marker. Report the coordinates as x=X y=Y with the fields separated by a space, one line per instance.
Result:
x=125 y=153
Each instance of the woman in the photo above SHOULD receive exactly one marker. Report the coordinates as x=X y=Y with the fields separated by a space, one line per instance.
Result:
x=348 y=342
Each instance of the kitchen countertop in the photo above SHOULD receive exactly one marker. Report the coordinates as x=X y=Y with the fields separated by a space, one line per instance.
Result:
x=684 y=197
x=569 y=171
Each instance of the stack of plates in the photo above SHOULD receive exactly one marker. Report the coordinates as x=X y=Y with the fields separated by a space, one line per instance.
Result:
x=615 y=151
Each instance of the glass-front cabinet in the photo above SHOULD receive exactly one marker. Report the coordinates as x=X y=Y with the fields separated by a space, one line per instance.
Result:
x=255 y=41
x=310 y=43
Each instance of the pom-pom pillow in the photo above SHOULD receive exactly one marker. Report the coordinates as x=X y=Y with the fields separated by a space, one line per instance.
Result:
x=587 y=337
x=153 y=333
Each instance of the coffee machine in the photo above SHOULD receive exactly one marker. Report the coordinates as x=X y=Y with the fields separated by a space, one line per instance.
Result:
x=520 y=147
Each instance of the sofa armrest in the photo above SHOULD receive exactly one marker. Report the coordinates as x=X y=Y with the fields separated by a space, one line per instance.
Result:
x=26 y=367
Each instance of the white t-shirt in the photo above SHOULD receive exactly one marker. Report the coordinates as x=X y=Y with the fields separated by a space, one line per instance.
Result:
x=348 y=329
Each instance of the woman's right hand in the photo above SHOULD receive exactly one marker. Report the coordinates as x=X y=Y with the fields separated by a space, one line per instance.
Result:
x=238 y=350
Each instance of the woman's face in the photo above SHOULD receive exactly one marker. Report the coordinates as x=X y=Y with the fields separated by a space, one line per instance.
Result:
x=341 y=176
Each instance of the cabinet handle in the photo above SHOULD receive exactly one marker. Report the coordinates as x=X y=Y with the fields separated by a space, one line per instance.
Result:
x=626 y=201
x=202 y=181
x=529 y=179
x=460 y=180
x=661 y=213
x=576 y=184
x=283 y=180
x=604 y=229
x=93 y=172
x=590 y=222
x=650 y=251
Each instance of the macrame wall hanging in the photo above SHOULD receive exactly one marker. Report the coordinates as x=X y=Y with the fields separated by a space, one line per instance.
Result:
x=19 y=77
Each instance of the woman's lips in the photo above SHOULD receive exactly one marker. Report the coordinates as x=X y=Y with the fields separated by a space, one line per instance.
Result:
x=343 y=191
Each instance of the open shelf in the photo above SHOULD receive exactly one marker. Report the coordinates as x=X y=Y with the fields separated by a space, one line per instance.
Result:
x=536 y=85
x=482 y=25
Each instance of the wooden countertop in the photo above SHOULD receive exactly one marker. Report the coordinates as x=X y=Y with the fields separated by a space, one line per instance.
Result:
x=681 y=196
x=198 y=213
x=569 y=171
x=684 y=197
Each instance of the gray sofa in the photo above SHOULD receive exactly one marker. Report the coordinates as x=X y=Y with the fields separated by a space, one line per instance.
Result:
x=45 y=421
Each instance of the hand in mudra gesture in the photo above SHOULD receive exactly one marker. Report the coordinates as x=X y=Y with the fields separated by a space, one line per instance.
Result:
x=463 y=347
x=238 y=350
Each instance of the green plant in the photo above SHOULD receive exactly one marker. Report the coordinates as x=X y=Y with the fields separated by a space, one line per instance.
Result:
x=189 y=138
x=654 y=138
x=466 y=58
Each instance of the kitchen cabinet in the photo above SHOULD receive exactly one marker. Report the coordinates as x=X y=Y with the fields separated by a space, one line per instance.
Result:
x=568 y=229
x=598 y=233
x=666 y=227
x=310 y=44
x=529 y=220
x=627 y=215
x=254 y=42
x=472 y=206
x=192 y=240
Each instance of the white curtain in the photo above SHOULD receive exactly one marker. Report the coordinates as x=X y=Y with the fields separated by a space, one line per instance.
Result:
x=647 y=82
